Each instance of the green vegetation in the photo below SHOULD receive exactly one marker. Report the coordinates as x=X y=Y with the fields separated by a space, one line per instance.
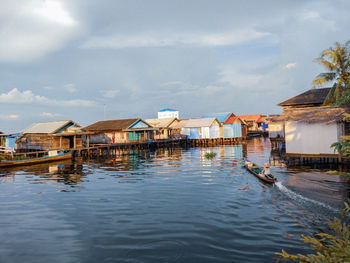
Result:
x=209 y=155
x=329 y=248
x=337 y=62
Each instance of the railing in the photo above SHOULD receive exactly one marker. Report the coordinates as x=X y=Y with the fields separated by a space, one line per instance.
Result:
x=5 y=150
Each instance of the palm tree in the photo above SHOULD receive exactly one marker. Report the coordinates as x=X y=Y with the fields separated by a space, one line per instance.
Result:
x=337 y=61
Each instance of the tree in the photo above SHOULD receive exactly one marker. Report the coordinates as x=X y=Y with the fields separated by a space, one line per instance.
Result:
x=337 y=61
x=330 y=248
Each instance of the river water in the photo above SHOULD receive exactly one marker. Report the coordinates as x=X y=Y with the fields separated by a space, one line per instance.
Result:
x=171 y=205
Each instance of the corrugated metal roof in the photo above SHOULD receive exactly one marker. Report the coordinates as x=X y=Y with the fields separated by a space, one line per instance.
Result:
x=160 y=123
x=197 y=123
x=233 y=119
x=45 y=127
x=313 y=96
x=222 y=117
x=253 y=117
x=111 y=125
x=181 y=124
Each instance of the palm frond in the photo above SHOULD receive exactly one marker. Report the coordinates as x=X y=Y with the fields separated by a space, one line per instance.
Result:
x=328 y=65
x=323 y=78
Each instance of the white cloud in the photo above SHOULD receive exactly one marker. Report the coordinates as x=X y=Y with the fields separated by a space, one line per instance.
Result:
x=15 y=96
x=54 y=11
x=49 y=115
x=34 y=29
x=110 y=93
x=9 y=117
x=290 y=65
x=180 y=39
x=70 y=88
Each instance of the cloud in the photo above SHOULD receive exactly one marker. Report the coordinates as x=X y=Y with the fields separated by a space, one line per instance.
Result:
x=290 y=65
x=110 y=93
x=71 y=88
x=49 y=115
x=9 y=117
x=240 y=79
x=179 y=39
x=34 y=29
x=15 y=96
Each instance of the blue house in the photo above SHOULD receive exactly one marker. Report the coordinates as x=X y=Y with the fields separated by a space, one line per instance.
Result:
x=230 y=125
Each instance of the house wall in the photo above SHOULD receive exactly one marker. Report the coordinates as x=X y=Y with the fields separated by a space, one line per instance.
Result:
x=304 y=138
x=233 y=130
x=161 y=134
x=276 y=130
x=214 y=132
x=41 y=142
x=118 y=137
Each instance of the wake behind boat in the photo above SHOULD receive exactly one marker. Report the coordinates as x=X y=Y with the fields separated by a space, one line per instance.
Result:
x=52 y=156
x=258 y=171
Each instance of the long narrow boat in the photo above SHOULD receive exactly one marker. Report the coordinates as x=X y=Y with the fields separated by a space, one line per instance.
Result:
x=258 y=172
x=44 y=159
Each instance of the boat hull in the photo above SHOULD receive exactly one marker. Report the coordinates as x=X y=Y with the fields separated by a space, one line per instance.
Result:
x=46 y=159
x=255 y=171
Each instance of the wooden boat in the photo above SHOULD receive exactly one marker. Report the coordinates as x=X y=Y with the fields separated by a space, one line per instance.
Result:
x=52 y=156
x=258 y=172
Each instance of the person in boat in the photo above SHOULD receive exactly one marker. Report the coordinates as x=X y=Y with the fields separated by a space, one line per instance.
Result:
x=267 y=170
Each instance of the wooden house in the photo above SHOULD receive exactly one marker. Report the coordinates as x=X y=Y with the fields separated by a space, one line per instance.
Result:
x=255 y=122
x=231 y=126
x=310 y=131
x=118 y=131
x=234 y=127
x=164 y=127
x=50 y=135
x=201 y=128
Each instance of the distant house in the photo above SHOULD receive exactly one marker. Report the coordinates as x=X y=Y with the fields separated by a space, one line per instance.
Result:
x=310 y=131
x=201 y=128
x=234 y=127
x=231 y=126
x=164 y=127
x=310 y=98
x=8 y=142
x=50 y=135
x=255 y=122
x=118 y=131
x=168 y=113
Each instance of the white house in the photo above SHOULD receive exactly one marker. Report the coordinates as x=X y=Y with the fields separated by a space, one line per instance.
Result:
x=311 y=131
x=168 y=113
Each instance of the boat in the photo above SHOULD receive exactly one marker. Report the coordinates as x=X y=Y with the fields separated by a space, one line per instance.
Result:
x=50 y=157
x=258 y=172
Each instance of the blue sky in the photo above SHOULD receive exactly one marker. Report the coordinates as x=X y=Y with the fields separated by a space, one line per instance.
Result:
x=63 y=60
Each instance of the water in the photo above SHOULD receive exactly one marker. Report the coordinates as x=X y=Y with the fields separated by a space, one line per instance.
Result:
x=166 y=206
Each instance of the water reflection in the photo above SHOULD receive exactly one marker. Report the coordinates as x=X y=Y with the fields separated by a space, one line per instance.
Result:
x=168 y=205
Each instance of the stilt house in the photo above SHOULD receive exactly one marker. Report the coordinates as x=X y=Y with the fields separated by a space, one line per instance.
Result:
x=230 y=125
x=205 y=128
x=255 y=122
x=310 y=128
x=118 y=131
x=50 y=135
x=164 y=127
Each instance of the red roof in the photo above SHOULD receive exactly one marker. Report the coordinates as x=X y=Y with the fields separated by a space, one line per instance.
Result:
x=232 y=119
x=261 y=119
x=254 y=117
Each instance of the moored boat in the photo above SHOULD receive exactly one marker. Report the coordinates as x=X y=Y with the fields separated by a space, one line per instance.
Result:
x=258 y=171
x=52 y=156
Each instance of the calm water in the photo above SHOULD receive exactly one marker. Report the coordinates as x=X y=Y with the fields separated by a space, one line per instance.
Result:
x=165 y=206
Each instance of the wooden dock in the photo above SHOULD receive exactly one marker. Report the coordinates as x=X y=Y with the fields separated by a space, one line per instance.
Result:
x=120 y=148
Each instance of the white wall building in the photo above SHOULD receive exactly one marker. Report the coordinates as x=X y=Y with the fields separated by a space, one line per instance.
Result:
x=168 y=113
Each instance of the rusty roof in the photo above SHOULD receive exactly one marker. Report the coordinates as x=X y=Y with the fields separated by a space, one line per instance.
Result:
x=312 y=96
x=252 y=117
x=111 y=125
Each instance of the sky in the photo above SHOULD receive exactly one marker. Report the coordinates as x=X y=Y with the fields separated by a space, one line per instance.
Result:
x=85 y=60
